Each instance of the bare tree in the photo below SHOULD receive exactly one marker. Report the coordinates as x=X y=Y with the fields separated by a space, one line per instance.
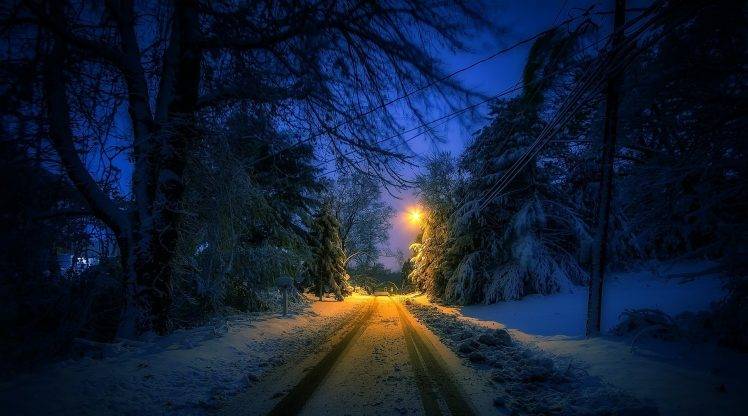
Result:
x=364 y=219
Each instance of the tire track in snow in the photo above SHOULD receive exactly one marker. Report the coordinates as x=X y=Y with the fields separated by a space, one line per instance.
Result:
x=297 y=397
x=438 y=389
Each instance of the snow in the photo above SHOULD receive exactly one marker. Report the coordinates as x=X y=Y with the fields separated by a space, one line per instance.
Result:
x=564 y=313
x=678 y=377
x=187 y=372
x=192 y=372
x=527 y=380
x=681 y=378
x=375 y=375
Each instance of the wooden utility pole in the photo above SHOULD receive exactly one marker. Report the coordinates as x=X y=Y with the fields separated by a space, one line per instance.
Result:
x=612 y=90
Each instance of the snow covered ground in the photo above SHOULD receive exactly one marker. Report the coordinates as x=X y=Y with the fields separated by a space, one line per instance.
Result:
x=186 y=373
x=672 y=288
x=191 y=372
x=678 y=377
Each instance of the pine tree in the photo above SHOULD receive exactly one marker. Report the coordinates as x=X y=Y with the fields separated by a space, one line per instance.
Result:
x=328 y=265
x=683 y=143
x=519 y=242
x=407 y=267
x=431 y=267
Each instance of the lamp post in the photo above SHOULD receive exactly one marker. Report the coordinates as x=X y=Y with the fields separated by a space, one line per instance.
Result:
x=284 y=283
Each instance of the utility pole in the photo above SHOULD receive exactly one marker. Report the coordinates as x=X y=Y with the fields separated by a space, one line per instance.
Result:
x=612 y=91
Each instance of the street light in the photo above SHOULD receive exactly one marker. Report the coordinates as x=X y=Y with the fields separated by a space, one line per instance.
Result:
x=415 y=216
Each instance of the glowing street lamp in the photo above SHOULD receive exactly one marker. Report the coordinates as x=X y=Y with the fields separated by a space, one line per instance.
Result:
x=415 y=216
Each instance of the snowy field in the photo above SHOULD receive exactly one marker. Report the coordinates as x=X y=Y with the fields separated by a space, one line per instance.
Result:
x=680 y=378
x=184 y=373
x=673 y=289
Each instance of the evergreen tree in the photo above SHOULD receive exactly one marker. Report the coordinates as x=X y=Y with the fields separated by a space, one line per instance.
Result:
x=683 y=143
x=437 y=191
x=519 y=242
x=680 y=172
x=328 y=265
x=248 y=203
x=407 y=267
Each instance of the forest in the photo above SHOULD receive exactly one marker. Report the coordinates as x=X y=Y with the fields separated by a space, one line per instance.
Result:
x=167 y=164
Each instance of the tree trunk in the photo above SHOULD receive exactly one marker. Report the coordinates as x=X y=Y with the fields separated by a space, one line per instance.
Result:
x=147 y=237
x=335 y=288
x=129 y=319
x=61 y=136
x=154 y=261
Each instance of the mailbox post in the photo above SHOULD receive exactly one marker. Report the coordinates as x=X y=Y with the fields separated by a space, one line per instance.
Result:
x=284 y=283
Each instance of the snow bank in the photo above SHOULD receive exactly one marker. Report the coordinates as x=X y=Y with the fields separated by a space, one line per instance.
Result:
x=186 y=373
x=672 y=289
x=526 y=380
x=681 y=378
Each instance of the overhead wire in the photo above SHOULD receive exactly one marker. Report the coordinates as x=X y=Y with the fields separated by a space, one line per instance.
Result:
x=430 y=84
x=630 y=51
x=535 y=92
x=580 y=88
x=518 y=85
x=594 y=76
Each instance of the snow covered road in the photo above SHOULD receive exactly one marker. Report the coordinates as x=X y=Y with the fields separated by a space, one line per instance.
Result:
x=385 y=363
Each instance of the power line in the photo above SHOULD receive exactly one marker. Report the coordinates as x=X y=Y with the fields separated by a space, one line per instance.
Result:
x=566 y=112
x=554 y=25
x=430 y=84
x=532 y=97
x=514 y=88
x=445 y=118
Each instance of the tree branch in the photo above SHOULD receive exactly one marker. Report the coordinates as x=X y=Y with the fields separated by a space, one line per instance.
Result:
x=58 y=27
x=61 y=136
x=63 y=213
x=260 y=94
x=138 y=103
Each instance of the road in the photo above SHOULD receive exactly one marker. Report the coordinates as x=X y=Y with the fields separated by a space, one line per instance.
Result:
x=383 y=362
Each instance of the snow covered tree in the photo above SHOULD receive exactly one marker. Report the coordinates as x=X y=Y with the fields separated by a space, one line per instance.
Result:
x=436 y=191
x=523 y=239
x=683 y=145
x=485 y=247
x=679 y=176
x=328 y=262
x=517 y=242
x=246 y=220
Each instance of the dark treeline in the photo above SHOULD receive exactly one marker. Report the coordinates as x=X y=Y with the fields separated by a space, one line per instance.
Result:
x=163 y=161
x=680 y=171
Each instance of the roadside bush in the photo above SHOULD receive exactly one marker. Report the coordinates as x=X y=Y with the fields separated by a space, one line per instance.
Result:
x=725 y=323
x=42 y=316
